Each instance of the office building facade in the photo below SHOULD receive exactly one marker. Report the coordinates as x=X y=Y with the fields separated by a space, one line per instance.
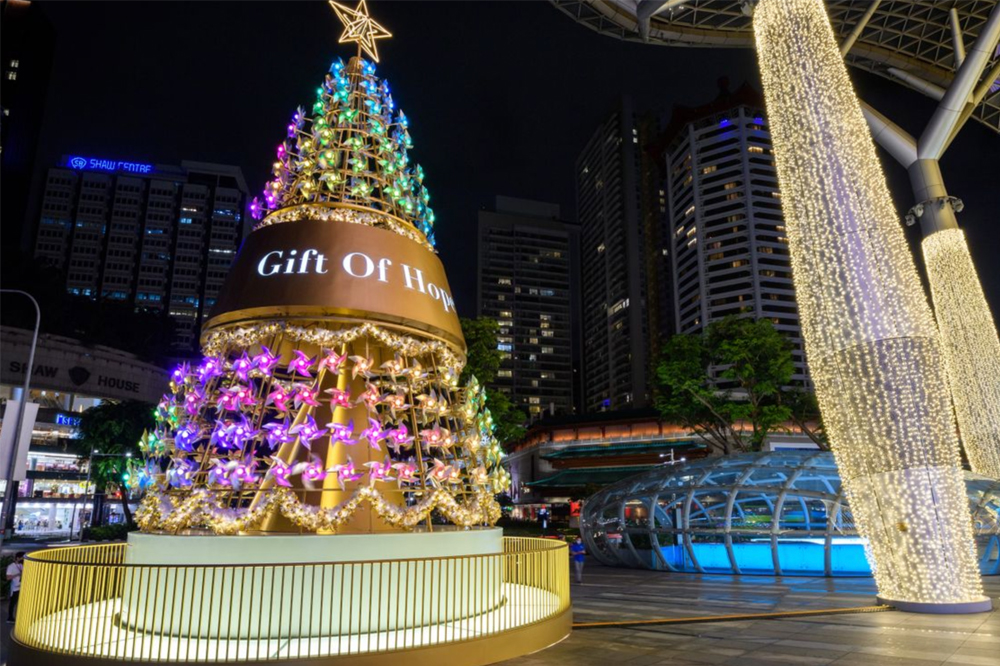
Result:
x=616 y=353
x=728 y=249
x=160 y=238
x=527 y=281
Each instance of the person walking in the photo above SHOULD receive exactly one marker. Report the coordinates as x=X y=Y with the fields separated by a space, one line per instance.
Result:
x=14 y=571
x=577 y=551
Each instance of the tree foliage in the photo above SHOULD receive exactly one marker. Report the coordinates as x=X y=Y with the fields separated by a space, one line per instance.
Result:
x=113 y=428
x=730 y=385
x=484 y=362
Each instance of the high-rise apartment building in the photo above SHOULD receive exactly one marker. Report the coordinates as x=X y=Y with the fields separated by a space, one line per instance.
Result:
x=729 y=252
x=528 y=282
x=616 y=354
x=160 y=238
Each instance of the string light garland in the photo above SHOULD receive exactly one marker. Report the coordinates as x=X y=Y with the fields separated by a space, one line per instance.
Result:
x=870 y=338
x=970 y=344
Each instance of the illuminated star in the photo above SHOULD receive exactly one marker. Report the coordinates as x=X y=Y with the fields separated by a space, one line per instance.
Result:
x=360 y=28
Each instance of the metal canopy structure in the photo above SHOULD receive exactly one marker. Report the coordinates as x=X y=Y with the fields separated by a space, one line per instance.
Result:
x=910 y=42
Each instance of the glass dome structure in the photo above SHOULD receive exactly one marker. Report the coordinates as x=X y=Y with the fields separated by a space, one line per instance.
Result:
x=772 y=513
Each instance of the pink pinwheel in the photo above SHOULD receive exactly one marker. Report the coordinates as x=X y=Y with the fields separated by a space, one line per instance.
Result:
x=180 y=373
x=379 y=471
x=304 y=395
x=398 y=437
x=395 y=367
x=279 y=398
x=340 y=432
x=311 y=472
x=194 y=399
x=228 y=401
x=339 y=398
x=242 y=367
x=370 y=398
x=373 y=433
x=442 y=473
x=185 y=438
x=265 y=361
x=405 y=473
x=301 y=364
x=436 y=436
x=362 y=366
x=308 y=431
x=396 y=402
x=209 y=368
x=332 y=361
x=277 y=433
x=279 y=471
x=346 y=472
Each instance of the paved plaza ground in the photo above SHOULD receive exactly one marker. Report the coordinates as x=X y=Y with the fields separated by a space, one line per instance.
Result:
x=860 y=639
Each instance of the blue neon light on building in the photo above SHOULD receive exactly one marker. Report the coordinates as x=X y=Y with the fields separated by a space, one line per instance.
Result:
x=112 y=166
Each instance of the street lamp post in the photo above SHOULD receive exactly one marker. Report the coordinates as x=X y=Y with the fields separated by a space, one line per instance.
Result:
x=8 y=495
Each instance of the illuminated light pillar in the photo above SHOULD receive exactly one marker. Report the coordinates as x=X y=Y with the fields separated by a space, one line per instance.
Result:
x=870 y=338
x=968 y=335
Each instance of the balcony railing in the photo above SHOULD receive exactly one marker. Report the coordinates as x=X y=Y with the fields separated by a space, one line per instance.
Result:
x=86 y=601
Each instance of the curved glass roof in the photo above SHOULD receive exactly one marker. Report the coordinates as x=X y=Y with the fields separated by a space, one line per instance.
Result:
x=766 y=513
x=912 y=37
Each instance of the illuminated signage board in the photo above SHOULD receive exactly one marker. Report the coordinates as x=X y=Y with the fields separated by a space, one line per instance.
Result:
x=67 y=420
x=99 y=164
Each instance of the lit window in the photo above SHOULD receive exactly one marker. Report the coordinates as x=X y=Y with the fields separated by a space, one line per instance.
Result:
x=12 y=76
x=15 y=64
x=600 y=248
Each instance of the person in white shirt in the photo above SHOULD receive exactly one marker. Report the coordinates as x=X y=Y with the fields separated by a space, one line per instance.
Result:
x=14 y=571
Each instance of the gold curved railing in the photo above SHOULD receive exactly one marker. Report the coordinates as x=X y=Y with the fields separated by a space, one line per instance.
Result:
x=86 y=601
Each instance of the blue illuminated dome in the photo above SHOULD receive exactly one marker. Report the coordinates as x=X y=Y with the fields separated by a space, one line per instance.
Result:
x=754 y=513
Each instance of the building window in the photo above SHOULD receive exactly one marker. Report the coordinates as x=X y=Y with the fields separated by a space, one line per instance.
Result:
x=12 y=76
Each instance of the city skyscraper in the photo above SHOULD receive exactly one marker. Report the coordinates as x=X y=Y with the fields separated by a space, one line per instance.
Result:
x=728 y=248
x=616 y=353
x=527 y=281
x=160 y=238
x=26 y=52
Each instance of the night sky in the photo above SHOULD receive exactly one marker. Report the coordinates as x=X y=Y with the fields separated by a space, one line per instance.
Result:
x=501 y=97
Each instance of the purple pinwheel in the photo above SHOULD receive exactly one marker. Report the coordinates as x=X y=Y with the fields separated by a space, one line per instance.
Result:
x=227 y=400
x=279 y=471
x=194 y=399
x=346 y=472
x=240 y=431
x=279 y=398
x=180 y=373
x=181 y=473
x=399 y=437
x=222 y=435
x=340 y=432
x=373 y=433
x=242 y=472
x=311 y=472
x=301 y=364
x=185 y=438
x=277 y=433
x=209 y=368
x=308 y=431
x=219 y=473
x=265 y=361
x=242 y=367
x=379 y=471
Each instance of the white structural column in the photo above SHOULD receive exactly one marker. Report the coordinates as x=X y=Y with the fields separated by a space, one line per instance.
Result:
x=870 y=338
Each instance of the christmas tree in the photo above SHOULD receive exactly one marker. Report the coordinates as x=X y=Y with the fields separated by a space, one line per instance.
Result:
x=327 y=399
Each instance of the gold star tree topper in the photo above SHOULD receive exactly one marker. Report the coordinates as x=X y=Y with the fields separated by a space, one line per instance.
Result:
x=359 y=27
